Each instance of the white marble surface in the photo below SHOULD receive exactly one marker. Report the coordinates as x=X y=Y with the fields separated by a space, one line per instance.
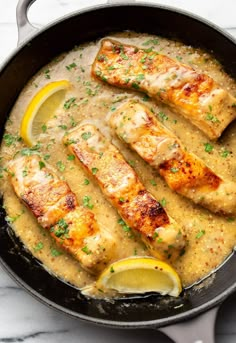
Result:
x=22 y=318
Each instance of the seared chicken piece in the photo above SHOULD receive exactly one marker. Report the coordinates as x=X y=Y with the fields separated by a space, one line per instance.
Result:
x=122 y=187
x=185 y=173
x=194 y=95
x=55 y=207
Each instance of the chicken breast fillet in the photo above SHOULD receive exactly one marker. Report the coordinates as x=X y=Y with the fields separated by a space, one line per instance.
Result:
x=194 y=95
x=185 y=173
x=122 y=187
x=55 y=207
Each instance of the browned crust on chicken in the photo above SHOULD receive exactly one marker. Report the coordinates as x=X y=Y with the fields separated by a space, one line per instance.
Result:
x=55 y=207
x=54 y=199
x=190 y=173
x=185 y=173
x=122 y=187
x=194 y=95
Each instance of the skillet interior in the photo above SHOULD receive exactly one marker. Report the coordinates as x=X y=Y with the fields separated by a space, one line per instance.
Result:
x=73 y=30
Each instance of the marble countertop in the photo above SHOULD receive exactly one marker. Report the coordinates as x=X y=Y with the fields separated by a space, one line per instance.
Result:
x=22 y=318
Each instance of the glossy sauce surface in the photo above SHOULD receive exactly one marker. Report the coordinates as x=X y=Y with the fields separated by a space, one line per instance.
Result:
x=211 y=238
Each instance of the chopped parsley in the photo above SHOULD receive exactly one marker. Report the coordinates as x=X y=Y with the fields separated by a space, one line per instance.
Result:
x=146 y=98
x=39 y=246
x=113 y=108
x=140 y=77
x=151 y=41
x=225 y=153
x=208 y=147
x=134 y=85
x=62 y=224
x=98 y=73
x=162 y=116
x=86 y=135
x=73 y=123
x=148 y=50
x=124 y=226
x=94 y=171
x=155 y=235
x=112 y=270
x=63 y=127
x=86 y=202
x=131 y=163
x=163 y=202
x=86 y=182
x=55 y=252
x=174 y=170
x=153 y=182
x=179 y=58
x=46 y=157
x=60 y=166
x=46 y=74
x=14 y=218
x=212 y=118
x=102 y=58
x=200 y=234
x=41 y=165
x=69 y=142
x=69 y=103
x=143 y=59
x=70 y=157
x=60 y=232
x=24 y=172
x=30 y=151
x=123 y=56
x=71 y=66
x=44 y=128
x=91 y=92
x=86 y=250
x=10 y=139
x=62 y=229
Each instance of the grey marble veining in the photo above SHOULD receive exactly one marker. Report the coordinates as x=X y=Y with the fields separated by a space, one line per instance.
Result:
x=22 y=318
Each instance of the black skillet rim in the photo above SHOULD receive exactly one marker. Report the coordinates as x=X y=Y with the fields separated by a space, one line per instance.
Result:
x=104 y=322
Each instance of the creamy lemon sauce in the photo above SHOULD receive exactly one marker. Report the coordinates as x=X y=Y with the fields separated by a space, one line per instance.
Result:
x=210 y=238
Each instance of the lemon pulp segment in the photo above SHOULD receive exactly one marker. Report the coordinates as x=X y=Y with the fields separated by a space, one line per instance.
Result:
x=33 y=108
x=140 y=275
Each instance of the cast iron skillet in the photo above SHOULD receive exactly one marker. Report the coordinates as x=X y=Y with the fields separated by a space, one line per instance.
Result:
x=151 y=311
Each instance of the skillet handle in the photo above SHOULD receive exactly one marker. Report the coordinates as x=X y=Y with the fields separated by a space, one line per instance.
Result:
x=120 y=1
x=197 y=330
x=25 y=29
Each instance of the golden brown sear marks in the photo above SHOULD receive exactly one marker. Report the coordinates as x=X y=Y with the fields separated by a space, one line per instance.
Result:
x=55 y=207
x=122 y=187
x=48 y=197
x=189 y=172
x=185 y=173
x=194 y=95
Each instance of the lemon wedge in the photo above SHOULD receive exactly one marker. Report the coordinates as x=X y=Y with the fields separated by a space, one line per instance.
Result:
x=139 y=275
x=41 y=108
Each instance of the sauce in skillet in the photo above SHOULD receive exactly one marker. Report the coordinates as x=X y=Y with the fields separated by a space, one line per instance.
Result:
x=211 y=238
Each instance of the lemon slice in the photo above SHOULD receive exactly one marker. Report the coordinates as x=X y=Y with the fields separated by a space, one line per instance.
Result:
x=139 y=275
x=41 y=108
